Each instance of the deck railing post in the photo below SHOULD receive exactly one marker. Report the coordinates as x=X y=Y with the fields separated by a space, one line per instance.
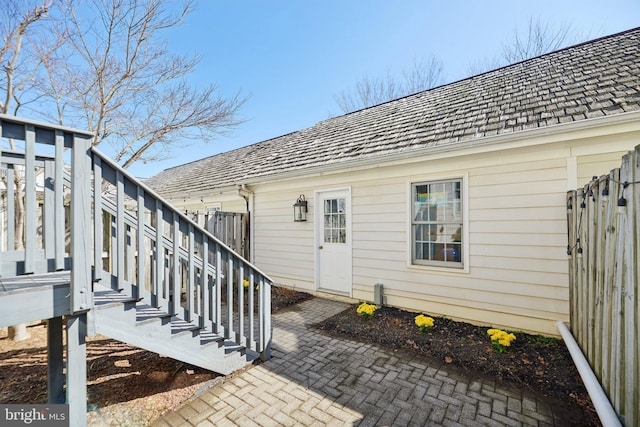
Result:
x=264 y=295
x=81 y=225
x=55 y=361
x=77 y=369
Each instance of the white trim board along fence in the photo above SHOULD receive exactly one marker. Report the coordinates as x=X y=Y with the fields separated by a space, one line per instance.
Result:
x=604 y=254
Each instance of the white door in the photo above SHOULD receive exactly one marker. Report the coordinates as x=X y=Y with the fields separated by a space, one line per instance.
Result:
x=333 y=249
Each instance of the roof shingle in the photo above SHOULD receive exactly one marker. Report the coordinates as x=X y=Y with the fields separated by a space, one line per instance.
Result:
x=590 y=80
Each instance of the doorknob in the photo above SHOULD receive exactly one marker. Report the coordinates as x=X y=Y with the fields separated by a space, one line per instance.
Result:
x=320 y=247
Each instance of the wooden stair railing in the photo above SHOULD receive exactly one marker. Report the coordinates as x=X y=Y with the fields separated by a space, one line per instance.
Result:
x=184 y=269
x=86 y=215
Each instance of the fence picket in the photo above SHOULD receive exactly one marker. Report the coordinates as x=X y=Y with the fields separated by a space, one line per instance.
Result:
x=604 y=254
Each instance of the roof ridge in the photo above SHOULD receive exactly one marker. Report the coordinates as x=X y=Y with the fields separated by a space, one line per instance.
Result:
x=493 y=70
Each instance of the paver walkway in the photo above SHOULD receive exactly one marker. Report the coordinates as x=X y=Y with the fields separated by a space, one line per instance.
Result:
x=314 y=380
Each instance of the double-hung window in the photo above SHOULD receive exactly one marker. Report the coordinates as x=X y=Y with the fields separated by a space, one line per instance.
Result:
x=437 y=221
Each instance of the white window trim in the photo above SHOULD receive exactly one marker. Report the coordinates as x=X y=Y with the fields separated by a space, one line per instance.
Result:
x=465 y=222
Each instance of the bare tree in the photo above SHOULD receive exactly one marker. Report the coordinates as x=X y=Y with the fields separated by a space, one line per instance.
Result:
x=16 y=18
x=369 y=91
x=539 y=38
x=124 y=85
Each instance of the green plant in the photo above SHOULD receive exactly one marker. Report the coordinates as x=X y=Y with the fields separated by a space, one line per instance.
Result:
x=424 y=322
x=500 y=339
x=366 y=310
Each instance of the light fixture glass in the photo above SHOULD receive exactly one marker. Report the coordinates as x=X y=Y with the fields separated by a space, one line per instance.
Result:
x=300 y=209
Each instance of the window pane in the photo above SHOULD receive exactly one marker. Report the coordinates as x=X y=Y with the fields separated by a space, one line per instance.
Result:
x=437 y=223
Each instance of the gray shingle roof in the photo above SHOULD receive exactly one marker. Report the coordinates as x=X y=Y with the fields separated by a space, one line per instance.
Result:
x=590 y=80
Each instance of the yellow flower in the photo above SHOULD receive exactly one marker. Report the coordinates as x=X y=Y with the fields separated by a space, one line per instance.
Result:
x=424 y=322
x=366 y=309
x=501 y=340
x=245 y=283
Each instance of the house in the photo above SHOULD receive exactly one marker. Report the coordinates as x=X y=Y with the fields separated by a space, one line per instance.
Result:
x=453 y=198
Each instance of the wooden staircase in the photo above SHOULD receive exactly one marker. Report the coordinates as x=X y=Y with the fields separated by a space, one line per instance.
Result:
x=113 y=258
x=135 y=322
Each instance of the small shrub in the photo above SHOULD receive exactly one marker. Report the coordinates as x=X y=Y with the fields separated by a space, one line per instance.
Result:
x=501 y=340
x=366 y=310
x=424 y=322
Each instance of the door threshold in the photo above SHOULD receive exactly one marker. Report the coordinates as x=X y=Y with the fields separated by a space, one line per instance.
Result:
x=334 y=292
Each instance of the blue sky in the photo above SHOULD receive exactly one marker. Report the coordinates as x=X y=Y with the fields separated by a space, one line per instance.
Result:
x=292 y=57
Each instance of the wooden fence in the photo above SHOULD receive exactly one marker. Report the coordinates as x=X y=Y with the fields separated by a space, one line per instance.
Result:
x=231 y=228
x=604 y=254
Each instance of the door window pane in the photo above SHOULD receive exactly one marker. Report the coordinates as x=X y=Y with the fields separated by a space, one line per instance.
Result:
x=335 y=222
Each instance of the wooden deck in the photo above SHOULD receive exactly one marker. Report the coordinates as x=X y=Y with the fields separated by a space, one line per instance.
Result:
x=94 y=250
x=34 y=297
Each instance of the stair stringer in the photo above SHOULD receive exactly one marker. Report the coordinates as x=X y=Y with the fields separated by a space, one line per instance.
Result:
x=118 y=321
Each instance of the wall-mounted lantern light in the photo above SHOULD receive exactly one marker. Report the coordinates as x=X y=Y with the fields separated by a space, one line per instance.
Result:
x=300 y=209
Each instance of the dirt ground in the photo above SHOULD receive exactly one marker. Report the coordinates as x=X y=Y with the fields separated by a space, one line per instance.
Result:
x=539 y=364
x=128 y=386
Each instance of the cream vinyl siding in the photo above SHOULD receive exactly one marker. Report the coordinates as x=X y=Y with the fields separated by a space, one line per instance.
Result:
x=597 y=165
x=516 y=276
x=516 y=223
x=284 y=248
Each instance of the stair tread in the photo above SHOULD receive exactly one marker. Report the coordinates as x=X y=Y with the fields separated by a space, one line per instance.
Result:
x=107 y=297
x=146 y=313
x=180 y=326
x=208 y=338
x=196 y=345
